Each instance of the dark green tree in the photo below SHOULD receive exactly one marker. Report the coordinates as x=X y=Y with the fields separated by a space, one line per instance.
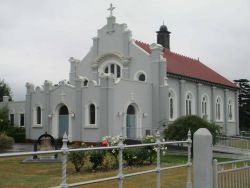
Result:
x=4 y=120
x=5 y=90
x=244 y=103
x=178 y=130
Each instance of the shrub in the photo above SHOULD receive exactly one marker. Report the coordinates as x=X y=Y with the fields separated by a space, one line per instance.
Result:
x=18 y=133
x=109 y=161
x=135 y=156
x=4 y=119
x=6 y=142
x=178 y=130
x=96 y=158
x=111 y=141
x=78 y=159
x=150 y=150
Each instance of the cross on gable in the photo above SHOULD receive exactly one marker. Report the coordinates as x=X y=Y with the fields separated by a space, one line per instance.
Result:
x=111 y=8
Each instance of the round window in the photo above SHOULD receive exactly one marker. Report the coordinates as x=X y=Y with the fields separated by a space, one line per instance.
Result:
x=142 y=77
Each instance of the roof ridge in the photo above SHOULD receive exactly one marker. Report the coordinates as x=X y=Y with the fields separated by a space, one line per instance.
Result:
x=144 y=43
x=141 y=42
x=184 y=56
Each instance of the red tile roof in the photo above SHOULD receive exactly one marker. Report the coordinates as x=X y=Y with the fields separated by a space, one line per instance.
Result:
x=188 y=67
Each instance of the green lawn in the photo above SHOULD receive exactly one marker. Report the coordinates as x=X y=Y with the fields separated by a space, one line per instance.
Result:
x=14 y=174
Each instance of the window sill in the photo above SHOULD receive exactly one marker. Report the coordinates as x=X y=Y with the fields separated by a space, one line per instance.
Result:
x=219 y=121
x=90 y=126
x=37 y=126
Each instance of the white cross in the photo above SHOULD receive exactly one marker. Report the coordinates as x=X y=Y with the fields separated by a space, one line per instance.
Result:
x=111 y=8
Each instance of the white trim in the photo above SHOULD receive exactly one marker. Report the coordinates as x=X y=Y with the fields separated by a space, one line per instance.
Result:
x=207 y=108
x=55 y=121
x=174 y=97
x=230 y=99
x=221 y=109
x=87 y=124
x=109 y=62
x=138 y=126
x=35 y=116
x=193 y=110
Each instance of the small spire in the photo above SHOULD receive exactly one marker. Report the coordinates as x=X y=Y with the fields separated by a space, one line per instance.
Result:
x=111 y=8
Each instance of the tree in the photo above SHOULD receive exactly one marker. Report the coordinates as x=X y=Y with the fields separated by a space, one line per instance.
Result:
x=5 y=90
x=178 y=130
x=4 y=120
x=244 y=103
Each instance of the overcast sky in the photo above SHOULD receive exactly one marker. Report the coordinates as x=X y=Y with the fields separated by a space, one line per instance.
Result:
x=37 y=37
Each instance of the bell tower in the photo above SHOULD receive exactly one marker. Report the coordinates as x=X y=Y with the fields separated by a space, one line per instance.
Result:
x=163 y=36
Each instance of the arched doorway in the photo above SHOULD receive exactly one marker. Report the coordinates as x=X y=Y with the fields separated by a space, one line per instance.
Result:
x=131 y=122
x=63 y=121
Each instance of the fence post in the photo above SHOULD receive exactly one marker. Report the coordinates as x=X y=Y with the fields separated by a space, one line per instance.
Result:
x=215 y=173
x=203 y=156
x=158 y=167
x=120 y=175
x=64 y=160
x=189 y=164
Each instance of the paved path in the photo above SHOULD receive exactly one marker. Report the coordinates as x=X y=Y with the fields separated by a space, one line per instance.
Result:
x=20 y=147
x=233 y=152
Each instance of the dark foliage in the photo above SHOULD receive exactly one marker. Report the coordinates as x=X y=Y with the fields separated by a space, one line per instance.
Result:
x=5 y=90
x=178 y=130
x=77 y=158
x=96 y=158
x=244 y=103
x=135 y=156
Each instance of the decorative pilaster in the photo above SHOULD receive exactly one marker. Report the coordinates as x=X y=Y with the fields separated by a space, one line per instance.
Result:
x=198 y=99
x=225 y=111
x=47 y=110
x=182 y=98
x=213 y=110
x=73 y=70
x=28 y=109
x=78 y=114
x=237 y=112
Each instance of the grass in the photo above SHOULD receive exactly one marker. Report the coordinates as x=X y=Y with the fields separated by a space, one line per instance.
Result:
x=14 y=174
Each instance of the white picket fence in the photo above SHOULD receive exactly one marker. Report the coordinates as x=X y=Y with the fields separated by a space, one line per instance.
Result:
x=64 y=151
x=235 y=142
x=231 y=174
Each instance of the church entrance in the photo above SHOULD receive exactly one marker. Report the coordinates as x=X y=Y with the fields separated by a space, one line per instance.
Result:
x=131 y=122
x=63 y=121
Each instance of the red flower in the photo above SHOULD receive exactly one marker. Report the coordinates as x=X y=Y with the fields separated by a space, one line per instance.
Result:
x=105 y=143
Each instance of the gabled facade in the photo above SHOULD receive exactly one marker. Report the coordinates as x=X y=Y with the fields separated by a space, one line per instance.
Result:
x=126 y=87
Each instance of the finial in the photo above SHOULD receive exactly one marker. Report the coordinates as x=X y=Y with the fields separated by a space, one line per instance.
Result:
x=111 y=8
x=163 y=23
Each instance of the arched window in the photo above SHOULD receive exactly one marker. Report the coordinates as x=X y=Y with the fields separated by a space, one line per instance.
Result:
x=92 y=114
x=85 y=82
x=140 y=76
x=230 y=109
x=114 y=69
x=188 y=104
x=38 y=115
x=205 y=107
x=218 y=109
x=171 y=105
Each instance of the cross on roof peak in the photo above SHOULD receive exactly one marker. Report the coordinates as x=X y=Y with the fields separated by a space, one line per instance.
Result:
x=111 y=8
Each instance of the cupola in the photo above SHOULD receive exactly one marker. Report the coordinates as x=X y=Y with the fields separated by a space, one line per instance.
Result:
x=163 y=36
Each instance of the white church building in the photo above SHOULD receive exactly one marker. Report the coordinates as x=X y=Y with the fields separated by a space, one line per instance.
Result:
x=126 y=87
